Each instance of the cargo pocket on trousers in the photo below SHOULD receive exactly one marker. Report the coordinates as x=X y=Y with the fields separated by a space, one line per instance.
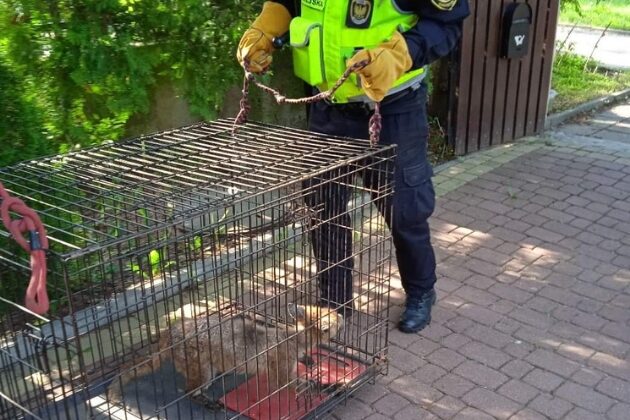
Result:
x=416 y=196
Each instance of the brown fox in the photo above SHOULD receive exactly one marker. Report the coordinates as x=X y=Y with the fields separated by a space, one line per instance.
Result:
x=203 y=346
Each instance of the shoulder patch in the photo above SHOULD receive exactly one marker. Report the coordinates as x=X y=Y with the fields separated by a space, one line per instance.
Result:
x=444 y=4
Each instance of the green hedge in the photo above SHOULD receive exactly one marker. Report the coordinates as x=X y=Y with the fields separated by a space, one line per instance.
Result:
x=90 y=65
x=22 y=134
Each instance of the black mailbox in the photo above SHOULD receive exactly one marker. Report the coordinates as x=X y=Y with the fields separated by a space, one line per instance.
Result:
x=517 y=22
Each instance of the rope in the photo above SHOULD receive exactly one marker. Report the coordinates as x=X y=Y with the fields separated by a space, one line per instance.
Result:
x=243 y=113
x=36 y=299
x=375 y=123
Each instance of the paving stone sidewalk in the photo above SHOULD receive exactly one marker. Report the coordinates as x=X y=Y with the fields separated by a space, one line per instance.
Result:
x=533 y=319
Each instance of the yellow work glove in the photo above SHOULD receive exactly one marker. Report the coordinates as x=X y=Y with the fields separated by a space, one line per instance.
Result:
x=256 y=45
x=387 y=63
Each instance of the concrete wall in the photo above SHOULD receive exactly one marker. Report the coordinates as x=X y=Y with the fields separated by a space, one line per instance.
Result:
x=170 y=110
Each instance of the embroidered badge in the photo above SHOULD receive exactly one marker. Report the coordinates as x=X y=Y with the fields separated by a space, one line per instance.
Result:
x=315 y=4
x=444 y=4
x=359 y=13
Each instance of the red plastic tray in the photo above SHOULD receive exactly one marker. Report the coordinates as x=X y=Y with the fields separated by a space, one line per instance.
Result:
x=254 y=401
x=330 y=368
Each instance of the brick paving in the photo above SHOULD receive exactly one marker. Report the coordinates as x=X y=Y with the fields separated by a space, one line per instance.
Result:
x=533 y=318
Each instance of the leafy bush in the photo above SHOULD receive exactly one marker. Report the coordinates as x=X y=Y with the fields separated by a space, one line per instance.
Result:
x=21 y=129
x=95 y=62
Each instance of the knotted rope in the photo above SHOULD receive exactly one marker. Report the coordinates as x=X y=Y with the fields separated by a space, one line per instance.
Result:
x=375 y=120
x=36 y=297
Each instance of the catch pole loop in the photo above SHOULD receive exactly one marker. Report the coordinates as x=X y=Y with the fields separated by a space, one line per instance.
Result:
x=375 y=123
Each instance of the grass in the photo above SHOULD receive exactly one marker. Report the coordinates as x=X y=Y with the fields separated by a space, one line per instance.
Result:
x=577 y=82
x=599 y=14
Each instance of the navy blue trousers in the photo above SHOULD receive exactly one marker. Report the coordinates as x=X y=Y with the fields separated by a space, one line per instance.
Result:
x=404 y=124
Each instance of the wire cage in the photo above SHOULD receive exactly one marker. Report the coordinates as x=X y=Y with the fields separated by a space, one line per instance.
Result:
x=197 y=273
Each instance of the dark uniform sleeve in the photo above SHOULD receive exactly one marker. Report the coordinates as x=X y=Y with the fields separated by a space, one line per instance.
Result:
x=291 y=6
x=438 y=30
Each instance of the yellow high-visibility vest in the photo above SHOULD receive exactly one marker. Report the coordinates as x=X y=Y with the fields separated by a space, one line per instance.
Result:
x=329 y=32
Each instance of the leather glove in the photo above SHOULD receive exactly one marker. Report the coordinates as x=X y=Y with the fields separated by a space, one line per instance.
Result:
x=256 y=45
x=387 y=63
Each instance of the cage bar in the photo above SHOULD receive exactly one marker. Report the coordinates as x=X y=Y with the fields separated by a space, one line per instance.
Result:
x=192 y=274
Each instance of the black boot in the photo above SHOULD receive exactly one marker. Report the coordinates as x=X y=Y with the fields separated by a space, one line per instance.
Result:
x=417 y=313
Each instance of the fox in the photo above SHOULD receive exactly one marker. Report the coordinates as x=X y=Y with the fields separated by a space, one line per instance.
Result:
x=203 y=346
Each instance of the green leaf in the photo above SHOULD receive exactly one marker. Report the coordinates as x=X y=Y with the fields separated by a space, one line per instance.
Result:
x=154 y=257
x=197 y=243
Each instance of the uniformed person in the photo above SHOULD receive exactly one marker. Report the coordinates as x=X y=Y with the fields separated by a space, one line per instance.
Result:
x=399 y=38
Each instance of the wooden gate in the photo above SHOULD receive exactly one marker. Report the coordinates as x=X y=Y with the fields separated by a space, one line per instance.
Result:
x=497 y=100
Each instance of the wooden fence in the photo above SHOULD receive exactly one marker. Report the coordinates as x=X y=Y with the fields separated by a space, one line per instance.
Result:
x=497 y=100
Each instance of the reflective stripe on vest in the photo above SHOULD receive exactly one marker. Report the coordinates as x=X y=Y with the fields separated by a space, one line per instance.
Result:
x=329 y=32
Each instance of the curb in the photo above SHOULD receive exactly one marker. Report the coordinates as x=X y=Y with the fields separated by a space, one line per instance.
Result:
x=594 y=29
x=555 y=120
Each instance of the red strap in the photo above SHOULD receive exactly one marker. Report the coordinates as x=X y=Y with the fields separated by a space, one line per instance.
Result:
x=36 y=297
